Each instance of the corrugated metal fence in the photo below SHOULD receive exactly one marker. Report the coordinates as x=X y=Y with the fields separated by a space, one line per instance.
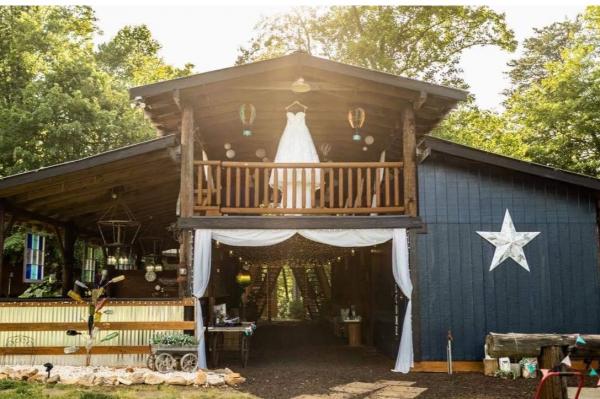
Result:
x=35 y=332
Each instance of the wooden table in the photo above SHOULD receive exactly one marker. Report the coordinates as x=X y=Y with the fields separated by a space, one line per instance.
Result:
x=216 y=337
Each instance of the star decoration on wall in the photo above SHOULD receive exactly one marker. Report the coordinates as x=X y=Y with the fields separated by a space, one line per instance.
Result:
x=509 y=243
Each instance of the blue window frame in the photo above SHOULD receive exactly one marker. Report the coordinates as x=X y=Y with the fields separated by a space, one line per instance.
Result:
x=33 y=263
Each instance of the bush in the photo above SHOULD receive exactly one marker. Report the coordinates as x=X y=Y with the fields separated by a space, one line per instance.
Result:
x=10 y=384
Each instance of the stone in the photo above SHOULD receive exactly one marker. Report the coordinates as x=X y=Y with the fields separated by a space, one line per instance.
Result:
x=153 y=379
x=68 y=379
x=199 y=378
x=26 y=374
x=86 y=380
x=3 y=376
x=137 y=377
x=214 y=379
x=129 y=370
x=111 y=380
x=233 y=379
x=53 y=379
x=176 y=380
x=125 y=380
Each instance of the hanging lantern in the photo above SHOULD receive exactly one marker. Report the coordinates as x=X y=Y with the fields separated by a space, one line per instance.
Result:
x=261 y=153
x=118 y=230
x=243 y=278
x=369 y=140
x=230 y=154
x=356 y=118
x=247 y=116
x=300 y=86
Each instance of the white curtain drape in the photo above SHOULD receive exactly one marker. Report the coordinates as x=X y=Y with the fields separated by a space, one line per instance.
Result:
x=405 y=358
x=339 y=238
x=202 y=262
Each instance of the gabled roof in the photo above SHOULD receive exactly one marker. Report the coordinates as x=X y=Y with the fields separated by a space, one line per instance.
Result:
x=474 y=154
x=296 y=59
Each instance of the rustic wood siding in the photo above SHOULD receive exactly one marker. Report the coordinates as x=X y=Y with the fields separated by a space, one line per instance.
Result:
x=456 y=289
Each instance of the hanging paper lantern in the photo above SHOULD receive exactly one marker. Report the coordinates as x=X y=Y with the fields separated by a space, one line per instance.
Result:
x=243 y=278
x=356 y=118
x=369 y=140
x=227 y=146
x=230 y=154
x=265 y=159
x=247 y=116
x=365 y=148
x=261 y=153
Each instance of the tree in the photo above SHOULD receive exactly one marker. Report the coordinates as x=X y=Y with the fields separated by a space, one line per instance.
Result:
x=544 y=47
x=60 y=99
x=482 y=129
x=558 y=115
x=417 y=42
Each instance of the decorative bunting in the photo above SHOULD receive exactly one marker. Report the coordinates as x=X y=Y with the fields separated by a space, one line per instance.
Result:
x=598 y=383
x=593 y=373
x=567 y=361
x=580 y=340
x=544 y=372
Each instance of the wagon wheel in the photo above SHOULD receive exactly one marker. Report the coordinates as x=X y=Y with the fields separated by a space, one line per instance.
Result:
x=165 y=363
x=189 y=362
x=150 y=362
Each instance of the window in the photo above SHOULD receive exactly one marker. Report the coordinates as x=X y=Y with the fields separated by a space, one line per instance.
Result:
x=89 y=264
x=33 y=265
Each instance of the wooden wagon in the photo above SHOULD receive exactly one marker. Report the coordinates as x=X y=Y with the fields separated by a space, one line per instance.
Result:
x=166 y=358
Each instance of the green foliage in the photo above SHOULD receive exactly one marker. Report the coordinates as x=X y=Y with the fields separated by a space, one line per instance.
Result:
x=557 y=117
x=419 y=42
x=296 y=309
x=482 y=129
x=43 y=289
x=11 y=384
x=174 y=339
x=60 y=98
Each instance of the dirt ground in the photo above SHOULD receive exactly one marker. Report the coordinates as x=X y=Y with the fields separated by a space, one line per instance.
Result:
x=288 y=361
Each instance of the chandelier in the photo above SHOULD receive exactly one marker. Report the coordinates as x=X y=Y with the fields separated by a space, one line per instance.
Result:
x=118 y=229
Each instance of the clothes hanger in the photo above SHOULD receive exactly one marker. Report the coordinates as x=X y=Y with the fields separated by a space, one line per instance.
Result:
x=296 y=102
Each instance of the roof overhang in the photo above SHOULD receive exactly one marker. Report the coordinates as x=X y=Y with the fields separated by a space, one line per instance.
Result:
x=473 y=154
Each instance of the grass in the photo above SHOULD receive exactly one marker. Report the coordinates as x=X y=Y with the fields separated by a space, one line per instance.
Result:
x=26 y=390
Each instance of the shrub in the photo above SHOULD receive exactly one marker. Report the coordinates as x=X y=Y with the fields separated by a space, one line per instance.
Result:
x=174 y=339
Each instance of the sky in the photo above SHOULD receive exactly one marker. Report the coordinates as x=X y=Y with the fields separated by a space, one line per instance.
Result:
x=209 y=37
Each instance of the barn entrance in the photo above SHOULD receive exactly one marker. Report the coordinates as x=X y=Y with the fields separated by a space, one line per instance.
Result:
x=309 y=297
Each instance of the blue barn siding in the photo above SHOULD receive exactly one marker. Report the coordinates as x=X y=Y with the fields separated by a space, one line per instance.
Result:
x=455 y=288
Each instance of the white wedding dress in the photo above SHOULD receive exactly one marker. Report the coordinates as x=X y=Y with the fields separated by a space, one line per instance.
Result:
x=296 y=146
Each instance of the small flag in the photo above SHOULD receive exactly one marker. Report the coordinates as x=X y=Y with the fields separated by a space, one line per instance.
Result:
x=598 y=383
x=580 y=340
x=567 y=361
x=593 y=373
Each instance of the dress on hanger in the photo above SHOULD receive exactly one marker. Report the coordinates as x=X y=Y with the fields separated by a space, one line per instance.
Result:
x=296 y=145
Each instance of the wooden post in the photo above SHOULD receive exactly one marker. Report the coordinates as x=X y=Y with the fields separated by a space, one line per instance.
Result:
x=554 y=388
x=68 y=252
x=409 y=151
x=186 y=193
x=2 y=221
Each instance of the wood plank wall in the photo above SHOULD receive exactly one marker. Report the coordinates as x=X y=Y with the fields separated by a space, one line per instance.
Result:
x=456 y=288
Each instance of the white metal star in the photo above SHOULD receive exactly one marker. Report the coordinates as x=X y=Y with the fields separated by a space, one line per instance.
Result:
x=509 y=243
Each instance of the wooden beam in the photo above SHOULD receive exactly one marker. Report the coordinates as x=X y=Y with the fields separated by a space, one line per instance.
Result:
x=299 y=222
x=186 y=190
x=60 y=350
x=409 y=150
x=2 y=236
x=70 y=236
x=113 y=325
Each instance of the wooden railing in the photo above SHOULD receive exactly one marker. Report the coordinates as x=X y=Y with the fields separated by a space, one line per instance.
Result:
x=263 y=188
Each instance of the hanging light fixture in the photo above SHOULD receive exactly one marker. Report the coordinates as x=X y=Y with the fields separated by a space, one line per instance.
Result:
x=247 y=116
x=118 y=229
x=356 y=118
x=243 y=278
x=300 y=86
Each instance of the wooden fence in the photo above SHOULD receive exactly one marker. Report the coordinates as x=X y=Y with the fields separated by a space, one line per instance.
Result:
x=35 y=331
x=331 y=188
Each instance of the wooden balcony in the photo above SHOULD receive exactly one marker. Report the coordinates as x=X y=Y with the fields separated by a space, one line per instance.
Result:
x=330 y=188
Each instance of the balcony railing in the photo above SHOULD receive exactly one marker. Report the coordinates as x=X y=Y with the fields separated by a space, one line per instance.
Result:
x=330 y=188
